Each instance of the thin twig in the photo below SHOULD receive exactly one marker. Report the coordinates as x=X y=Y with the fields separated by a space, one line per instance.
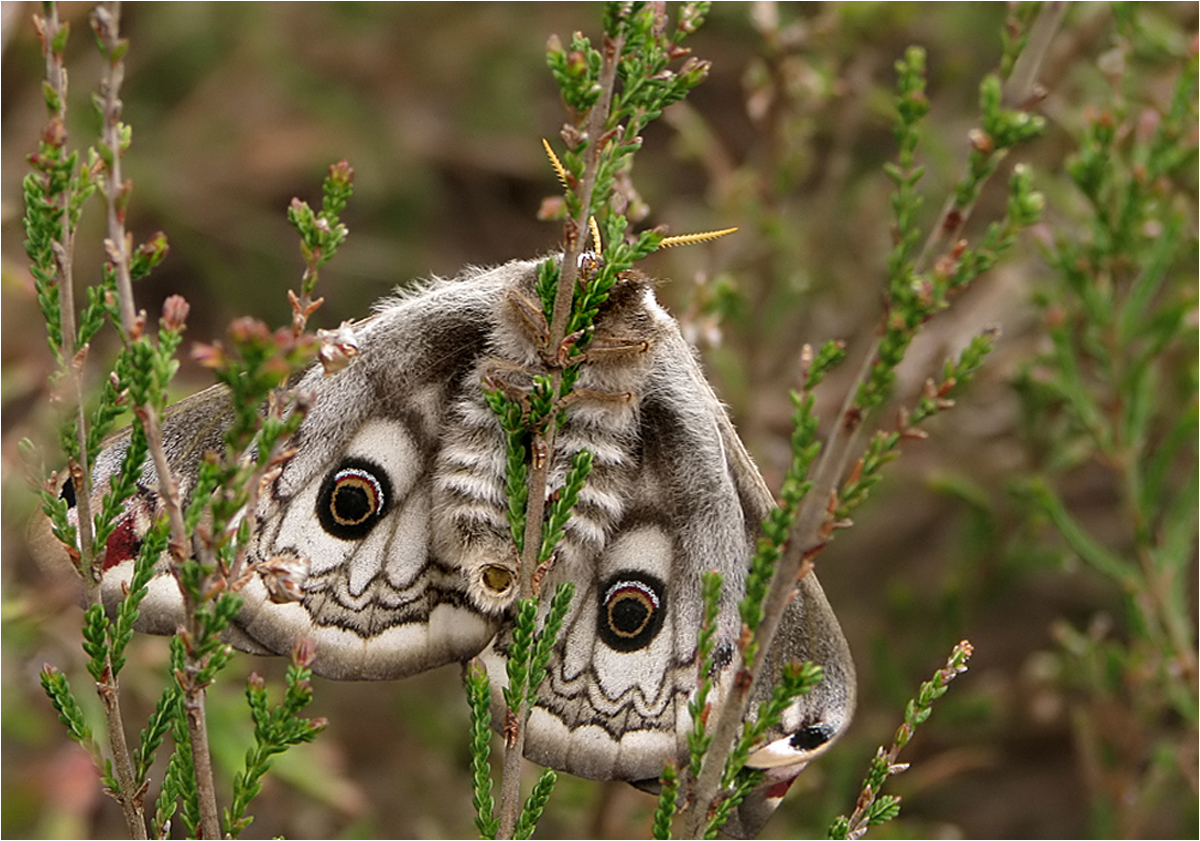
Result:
x=64 y=252
x=543 y=444
x=1021 y=88
x=885 y=764
x=107 y=22
x=128 y=793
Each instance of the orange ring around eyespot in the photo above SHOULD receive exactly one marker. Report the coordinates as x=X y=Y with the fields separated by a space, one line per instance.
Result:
x=619 y=597
x=353 y=498
x=350 y=479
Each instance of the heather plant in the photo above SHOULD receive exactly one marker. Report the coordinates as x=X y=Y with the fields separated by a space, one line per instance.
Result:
x=207 y=538
x=1114 y=391
x=1109 y=400
x=603 y=133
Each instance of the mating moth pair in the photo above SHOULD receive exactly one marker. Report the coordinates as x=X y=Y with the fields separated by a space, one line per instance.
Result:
x=393 y=511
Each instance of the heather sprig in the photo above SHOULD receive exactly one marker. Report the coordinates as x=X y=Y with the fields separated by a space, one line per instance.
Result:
x=611 y=93
x=919 y=285
x=206 y=543
x=275 y=730
x=1114 y=393
x=872 y=809
x=480 y=696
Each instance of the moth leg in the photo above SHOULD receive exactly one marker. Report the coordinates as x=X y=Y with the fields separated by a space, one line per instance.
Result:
x=530 y=318
x=613 y=348
x=532 y=321
x=510 y=378
x=578 y=394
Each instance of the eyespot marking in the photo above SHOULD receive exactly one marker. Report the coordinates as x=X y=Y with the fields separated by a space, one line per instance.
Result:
x=353 y=498
x=67 y=494
x=812 y=737
x=497 y=579
x=632 y=609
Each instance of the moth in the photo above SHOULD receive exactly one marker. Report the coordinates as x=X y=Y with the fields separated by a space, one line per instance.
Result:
x=393 y=512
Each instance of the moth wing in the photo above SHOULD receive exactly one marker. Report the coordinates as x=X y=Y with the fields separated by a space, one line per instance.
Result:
x=191 y=427
x=380 y=600
x=614 y=702
x=376 y=597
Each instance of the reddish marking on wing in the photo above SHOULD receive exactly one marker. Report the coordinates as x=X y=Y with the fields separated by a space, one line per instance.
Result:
x=123 y=544
x=781 y=788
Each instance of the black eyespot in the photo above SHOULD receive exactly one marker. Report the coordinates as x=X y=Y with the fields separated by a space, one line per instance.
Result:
x=68 y=492
x=811 y=737
x=353 y=498
x=632 y=609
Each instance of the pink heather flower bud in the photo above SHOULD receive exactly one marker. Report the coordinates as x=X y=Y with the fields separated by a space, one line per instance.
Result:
x=246 y=329
x=342 y=172
x=175 y=313
x=304 y=652
x=208 y=356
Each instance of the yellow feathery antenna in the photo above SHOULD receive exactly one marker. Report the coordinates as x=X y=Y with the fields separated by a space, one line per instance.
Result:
x=692 y=239
x=556 y=163
x=668 y=242
x=595 y=229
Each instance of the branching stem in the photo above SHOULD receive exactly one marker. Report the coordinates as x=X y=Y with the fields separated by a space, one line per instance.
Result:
x=106 y=21
x=543 y=445
x=812 y=527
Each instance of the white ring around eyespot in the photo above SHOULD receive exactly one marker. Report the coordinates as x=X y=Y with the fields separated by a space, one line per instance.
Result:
x=366 y=476
x=637 y=585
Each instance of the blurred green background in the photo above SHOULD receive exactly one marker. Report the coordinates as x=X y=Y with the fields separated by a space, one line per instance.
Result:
x=440 y=108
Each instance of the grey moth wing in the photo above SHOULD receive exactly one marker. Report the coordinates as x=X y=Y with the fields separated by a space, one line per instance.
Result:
x=352 y=510
x=672 y=494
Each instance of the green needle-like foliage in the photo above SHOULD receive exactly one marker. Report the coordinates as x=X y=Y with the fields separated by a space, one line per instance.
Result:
x=275 y=730
x=480 y=696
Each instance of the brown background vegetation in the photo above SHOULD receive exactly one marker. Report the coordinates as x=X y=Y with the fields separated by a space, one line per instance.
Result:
x=440 y=108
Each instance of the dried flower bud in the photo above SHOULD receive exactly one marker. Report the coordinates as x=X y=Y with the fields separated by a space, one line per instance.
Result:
x=283 y=575
x=512 y=728
x=980 y=141
x=338 y=348
x=572 y=136
x=539 y=574
x=952 y=221
x=55 y=134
